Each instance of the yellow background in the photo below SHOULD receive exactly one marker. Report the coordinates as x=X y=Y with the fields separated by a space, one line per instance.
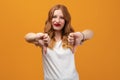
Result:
x=96 y=59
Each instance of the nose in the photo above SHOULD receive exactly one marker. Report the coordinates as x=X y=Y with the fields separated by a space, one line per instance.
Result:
x=57 y=20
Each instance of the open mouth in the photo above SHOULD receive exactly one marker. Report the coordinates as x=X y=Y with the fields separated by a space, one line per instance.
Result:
x=57 y=24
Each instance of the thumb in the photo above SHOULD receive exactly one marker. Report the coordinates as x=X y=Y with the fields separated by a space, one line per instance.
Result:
x=45 y=49
x=71 y=34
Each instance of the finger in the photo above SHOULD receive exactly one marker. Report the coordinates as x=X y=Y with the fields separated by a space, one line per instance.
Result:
x=71 y=42
x=71 y=38
x=45 y=36
x=71 y=34
x=36 y=43
x=44 y=49
x=41 y=43
x=39 y=35
x=46 y=40
x=73 y=50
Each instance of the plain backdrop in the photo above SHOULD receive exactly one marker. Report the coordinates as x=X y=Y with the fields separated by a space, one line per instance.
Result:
x=96 y=59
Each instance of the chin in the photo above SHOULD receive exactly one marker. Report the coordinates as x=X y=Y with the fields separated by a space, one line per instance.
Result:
x=57 y=28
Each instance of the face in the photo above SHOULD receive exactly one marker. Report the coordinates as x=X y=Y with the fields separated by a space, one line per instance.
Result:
x=58 y=21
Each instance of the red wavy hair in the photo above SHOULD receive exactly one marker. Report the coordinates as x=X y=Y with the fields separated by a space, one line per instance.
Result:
x=66 y=29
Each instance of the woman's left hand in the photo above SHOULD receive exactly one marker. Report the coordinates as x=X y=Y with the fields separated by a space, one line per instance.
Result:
x=75 y=38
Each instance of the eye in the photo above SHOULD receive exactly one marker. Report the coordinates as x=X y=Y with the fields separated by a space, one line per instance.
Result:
x=54 y=16
x=62 y=17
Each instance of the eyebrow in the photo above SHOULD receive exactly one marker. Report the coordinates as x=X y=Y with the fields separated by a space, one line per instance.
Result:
x=59 y=15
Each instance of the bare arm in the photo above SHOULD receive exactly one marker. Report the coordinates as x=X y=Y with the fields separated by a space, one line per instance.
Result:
x=88 y=34
x=39 y=39
x=78 y=38
x=34 y=38
x=30 y=37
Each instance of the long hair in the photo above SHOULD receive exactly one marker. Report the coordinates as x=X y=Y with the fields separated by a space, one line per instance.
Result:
x=66 y=29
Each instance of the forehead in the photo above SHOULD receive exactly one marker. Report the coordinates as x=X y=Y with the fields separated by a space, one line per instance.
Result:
x=58 y=12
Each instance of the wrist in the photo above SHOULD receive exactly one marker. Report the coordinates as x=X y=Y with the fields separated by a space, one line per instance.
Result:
x=83 y=38
x=88 y=34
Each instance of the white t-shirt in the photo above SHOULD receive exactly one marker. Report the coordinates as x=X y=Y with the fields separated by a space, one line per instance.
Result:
x=58 y=64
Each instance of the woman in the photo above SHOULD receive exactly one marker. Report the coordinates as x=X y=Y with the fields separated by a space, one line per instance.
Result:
x=58 y=43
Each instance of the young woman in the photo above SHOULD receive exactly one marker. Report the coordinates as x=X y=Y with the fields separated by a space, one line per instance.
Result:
x=58 y=43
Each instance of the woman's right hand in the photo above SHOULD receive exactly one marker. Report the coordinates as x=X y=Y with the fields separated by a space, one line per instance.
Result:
x=39 y=39
x=42 y=39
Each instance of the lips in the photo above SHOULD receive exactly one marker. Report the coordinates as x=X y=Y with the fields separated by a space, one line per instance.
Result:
x=57 y=24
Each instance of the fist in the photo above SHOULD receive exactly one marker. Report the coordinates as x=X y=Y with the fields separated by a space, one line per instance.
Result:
x=43 y=39
x=75 y=38
x=71 y=39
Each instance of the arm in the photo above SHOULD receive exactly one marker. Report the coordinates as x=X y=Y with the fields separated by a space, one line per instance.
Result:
x=78 y=38
x=34 y=38
x=39 y=39
x=87 y=34
x=30 y=37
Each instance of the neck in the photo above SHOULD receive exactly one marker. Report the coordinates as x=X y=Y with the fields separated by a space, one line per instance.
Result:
x=57 y=35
